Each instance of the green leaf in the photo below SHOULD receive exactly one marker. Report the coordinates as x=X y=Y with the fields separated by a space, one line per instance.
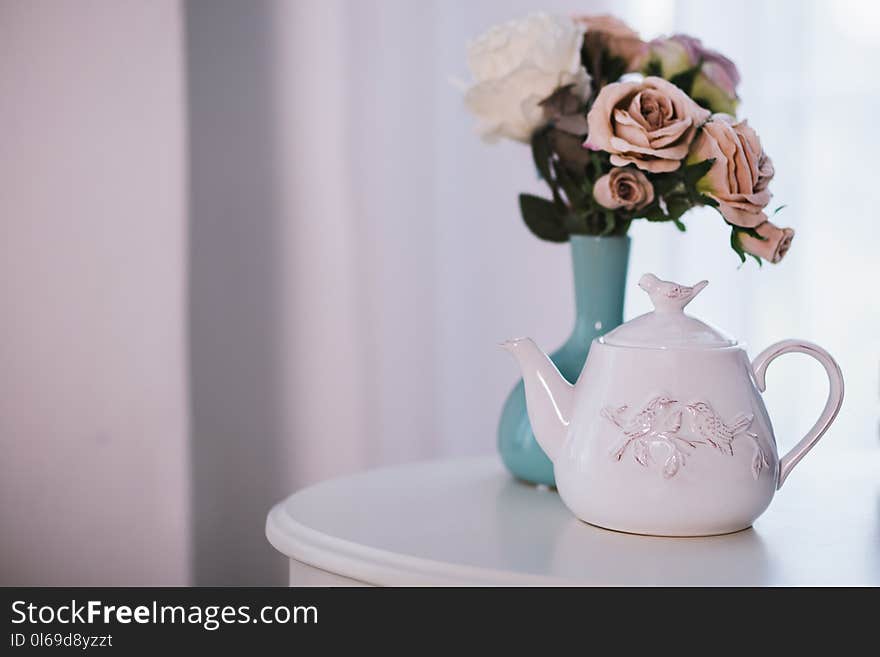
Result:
x=654 y=68
x=591 y=222
x=680 y=225
x=703 y=102
x=694 y=172
x=610 y=223
x=654 y=213
x=735 y=244
x=677 y=205
x=542 y=218
x=542 y=153
x=655 y=218
x=574 y=190
x=752 y=233
x=664 y=183
x=685 y=79
x=707 y=200
x=612 y=67
x=777 y=210
x=587 y=192
x=596 y=161
x=575 y=223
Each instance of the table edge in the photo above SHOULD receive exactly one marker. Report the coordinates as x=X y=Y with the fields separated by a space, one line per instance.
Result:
x=382 y=567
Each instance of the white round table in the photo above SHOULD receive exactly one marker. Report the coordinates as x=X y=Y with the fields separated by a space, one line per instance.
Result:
x=467 y=522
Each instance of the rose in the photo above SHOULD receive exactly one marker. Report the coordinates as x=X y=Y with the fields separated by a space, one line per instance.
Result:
x=741 y=171
x=715 y=89
x=677 y=53
x=724 y=71
x=670 y=55
x=565 y=110
x=569 y=127
x=623 y=187
x=604 y=32
x=519 y=64
x=774 y=246
x=715 y=83
x=649 y=123
x=609 y=34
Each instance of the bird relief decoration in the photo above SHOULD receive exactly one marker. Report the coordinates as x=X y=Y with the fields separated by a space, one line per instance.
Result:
x=680 y=428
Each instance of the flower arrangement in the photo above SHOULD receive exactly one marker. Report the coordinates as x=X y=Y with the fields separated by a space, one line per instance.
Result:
x=622 y=129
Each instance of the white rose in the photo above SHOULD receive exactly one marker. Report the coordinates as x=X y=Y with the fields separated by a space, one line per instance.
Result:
x=517 y=65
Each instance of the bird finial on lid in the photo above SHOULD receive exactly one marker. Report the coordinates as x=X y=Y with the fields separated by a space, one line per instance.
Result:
x=668 y=296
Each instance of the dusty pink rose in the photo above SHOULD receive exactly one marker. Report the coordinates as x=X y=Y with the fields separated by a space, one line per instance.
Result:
x=741 y=172
x=774 y=246
x=623 y=187
x=717 y=80
x=650 y=123
x=727 y=73
x=609 y=33
x=711 y=87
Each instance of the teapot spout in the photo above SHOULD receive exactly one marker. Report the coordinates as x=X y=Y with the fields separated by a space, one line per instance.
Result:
x=549 y=397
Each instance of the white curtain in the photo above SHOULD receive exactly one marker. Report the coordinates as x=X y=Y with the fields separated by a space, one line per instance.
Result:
x=355 y=252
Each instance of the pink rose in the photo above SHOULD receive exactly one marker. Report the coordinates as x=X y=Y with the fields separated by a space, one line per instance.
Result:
x=623 y=187
x=724 y=71
x=711 y=87
x=609 y=33
x=650 y=124
x=741 y=172
x=668 y=54
x=717 y=80
x=774 y=246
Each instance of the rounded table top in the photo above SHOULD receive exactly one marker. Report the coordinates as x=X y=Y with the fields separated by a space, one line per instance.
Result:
x=465 y=522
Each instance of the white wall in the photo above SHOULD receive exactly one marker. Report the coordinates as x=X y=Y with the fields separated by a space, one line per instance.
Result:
x=93 y=407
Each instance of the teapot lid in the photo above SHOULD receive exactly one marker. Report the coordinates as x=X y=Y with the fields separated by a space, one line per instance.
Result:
x=667 y=327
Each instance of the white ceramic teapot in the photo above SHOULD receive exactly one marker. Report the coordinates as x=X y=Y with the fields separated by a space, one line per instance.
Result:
x=665 y=431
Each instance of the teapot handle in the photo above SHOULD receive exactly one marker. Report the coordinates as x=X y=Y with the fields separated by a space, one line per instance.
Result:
x=832 y=406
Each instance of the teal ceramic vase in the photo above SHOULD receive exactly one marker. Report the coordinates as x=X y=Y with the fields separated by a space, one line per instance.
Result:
x=600 y=265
